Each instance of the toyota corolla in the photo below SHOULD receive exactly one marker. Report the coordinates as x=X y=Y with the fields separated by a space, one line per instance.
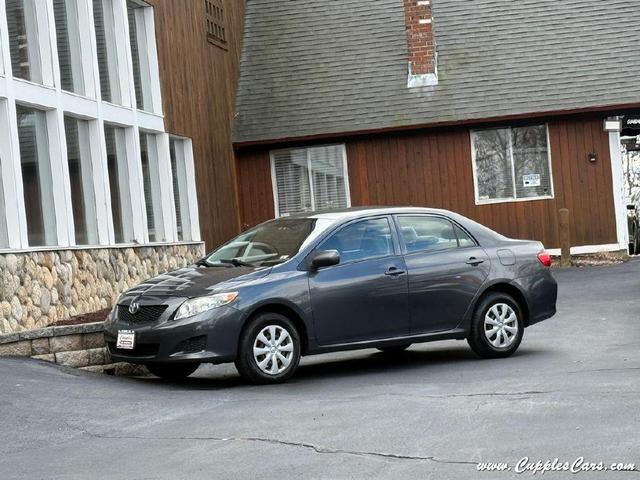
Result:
x=380 y=278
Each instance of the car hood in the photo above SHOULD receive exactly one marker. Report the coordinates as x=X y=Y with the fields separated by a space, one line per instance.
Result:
x=192 y=281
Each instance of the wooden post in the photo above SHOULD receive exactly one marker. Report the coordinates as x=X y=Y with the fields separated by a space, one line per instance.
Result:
x=565 y=240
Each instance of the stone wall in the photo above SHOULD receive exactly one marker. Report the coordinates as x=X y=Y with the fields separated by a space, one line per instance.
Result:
x=40 y=288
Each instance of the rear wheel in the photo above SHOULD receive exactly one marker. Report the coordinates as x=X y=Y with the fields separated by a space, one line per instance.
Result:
x=394 y=350
x=497 y=326
x=172 y=371
x=269 y=350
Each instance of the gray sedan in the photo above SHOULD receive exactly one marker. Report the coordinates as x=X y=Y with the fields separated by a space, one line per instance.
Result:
x=341 y=280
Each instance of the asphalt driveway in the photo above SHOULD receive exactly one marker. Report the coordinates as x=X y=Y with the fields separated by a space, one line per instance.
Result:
x=572 y=390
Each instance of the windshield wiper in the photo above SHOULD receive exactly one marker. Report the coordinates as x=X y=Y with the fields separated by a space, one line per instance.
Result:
x=236 y=262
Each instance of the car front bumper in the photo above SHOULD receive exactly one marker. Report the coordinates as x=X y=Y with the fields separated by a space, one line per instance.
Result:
x=210 y=337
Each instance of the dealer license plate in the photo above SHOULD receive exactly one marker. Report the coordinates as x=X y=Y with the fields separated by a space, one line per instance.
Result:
x=126 y=340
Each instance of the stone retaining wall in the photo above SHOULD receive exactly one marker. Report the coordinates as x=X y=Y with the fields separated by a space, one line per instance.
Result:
x=72 y=346
x=40 y=288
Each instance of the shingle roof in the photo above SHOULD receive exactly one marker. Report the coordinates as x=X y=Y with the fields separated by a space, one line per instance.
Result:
x=318 y=67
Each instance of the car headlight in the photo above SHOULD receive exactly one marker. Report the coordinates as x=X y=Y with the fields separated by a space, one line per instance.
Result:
x=202 y=304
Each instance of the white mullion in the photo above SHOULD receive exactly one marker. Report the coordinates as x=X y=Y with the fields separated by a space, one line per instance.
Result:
x=191 y=192
x=75 y=10
x=90 y=67
x=345 y=170
x=143 y=49
x=100 y=178
x=90 y=187
x=15 y=215
x=5 y=54
x=123 y=140
x=310 y=175
x=162 y=188
x=125 y=58
x=47 y=43
x=138 y=217
x=513 y=164
x=59 y=175
x=152 y=60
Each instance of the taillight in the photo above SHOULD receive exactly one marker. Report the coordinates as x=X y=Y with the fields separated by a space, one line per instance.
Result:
x=545 y=258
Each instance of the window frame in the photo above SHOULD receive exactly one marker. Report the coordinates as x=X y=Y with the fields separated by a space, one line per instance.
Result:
x=403 y=244
x=474 y=167
x=307 y=149
x=397 y=247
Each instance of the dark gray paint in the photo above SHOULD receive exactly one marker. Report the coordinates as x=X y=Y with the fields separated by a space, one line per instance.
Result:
x=347 y=306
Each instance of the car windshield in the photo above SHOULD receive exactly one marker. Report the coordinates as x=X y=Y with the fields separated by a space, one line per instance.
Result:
x=268 y=244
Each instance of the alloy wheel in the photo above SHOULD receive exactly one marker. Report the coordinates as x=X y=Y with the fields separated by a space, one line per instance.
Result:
x=501 y=326
x=273 y=349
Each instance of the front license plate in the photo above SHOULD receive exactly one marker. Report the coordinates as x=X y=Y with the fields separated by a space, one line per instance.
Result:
x=126 y=340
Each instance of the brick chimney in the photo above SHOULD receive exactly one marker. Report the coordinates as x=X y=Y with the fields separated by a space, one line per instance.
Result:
x=423 y=68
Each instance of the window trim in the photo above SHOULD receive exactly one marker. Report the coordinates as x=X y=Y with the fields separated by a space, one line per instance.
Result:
x=478 y=201
x=397 y=246
x=274 y=180
x=403 y=244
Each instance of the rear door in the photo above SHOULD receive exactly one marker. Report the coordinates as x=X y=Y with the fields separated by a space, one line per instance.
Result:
x=365 y=296
x=446 y=268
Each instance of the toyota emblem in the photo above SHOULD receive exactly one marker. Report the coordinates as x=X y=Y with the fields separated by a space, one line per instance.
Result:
x=134 y=308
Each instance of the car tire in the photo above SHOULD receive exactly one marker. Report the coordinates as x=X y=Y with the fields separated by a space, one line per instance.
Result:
x=269 y=349
x=497 y=326
x=172 y=371
x=394 y=350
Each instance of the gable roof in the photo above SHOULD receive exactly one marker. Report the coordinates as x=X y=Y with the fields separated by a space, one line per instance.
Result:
x=319 y=67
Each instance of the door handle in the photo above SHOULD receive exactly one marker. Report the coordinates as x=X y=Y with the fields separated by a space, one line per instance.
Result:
x=394 y=272
x=474 y=261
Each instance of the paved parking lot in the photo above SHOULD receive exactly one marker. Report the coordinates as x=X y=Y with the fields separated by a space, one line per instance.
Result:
x=572 y=390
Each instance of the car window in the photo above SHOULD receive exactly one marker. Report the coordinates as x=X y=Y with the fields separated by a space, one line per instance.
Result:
x=361 y=241
x=427 y=234
x=464 y=240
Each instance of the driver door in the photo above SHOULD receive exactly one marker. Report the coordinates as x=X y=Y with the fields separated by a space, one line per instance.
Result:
x=365 y=296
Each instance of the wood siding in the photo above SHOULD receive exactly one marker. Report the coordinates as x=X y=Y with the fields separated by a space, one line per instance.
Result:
x=199 y=82
x=434 y=169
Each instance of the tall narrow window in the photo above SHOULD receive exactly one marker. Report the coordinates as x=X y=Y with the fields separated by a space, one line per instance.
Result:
x=512 y=164
x=178 y=152
x=140 y=54
x=69 y=45
x=36 y=176
x=104 y=20
x=81 y=180
x=307 y=179
x=22 y=22
x=151 y=181
x=118 y=182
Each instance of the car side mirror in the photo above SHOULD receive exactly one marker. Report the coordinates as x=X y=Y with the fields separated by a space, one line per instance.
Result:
x=324 y=258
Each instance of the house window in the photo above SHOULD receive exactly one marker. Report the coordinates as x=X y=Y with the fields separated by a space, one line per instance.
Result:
x=512 y=164
x=140 y=54
x=216 y=30
x=151 y=183
x=308 y=179
x=178 y=150
x=81 y=180
x=104 y=22
x=25 y=19
x=36 y=176
x=69 y=49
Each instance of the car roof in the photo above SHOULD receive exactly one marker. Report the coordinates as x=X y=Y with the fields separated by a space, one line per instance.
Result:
x=357 y=212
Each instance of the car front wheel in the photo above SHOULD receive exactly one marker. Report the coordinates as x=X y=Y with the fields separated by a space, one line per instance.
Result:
x=497 y=326
x=269 y=350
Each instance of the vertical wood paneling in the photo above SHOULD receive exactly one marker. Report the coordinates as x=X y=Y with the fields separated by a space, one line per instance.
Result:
x=198 y=82
x=434 y=169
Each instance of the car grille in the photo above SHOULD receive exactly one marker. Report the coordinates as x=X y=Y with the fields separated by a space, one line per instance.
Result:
x=146 y=314
x=140 y=350
x=192 y=345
